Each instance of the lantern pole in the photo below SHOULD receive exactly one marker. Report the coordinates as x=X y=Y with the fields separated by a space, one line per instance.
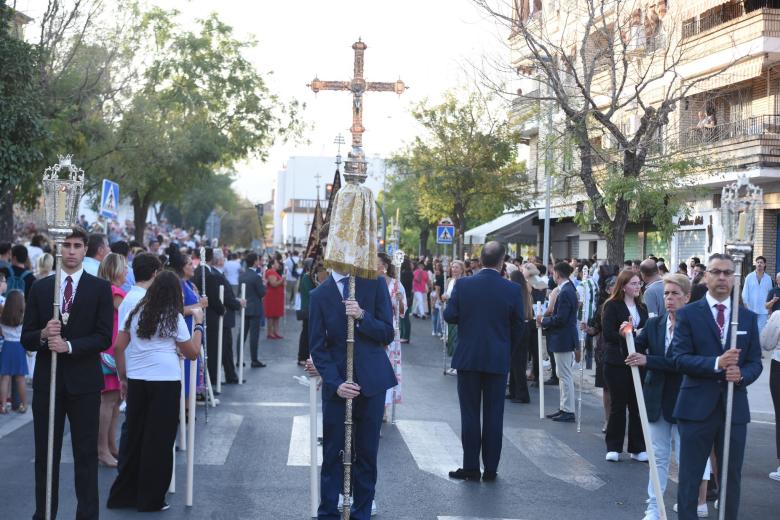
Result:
x=61 y=201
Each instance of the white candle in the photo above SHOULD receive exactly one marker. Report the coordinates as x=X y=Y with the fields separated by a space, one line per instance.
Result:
x=61 y=204
x=741 y=226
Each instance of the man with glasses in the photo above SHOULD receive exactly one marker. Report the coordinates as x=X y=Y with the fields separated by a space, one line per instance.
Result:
x=703 y=353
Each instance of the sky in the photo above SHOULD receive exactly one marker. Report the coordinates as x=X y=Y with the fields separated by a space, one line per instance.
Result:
x=427 y=43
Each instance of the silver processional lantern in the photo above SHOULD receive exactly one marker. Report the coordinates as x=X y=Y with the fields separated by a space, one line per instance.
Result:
x=62 y=195
x=740 y=203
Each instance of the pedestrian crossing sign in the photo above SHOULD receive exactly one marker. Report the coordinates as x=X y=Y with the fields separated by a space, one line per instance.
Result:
x=109 y=199
x=444 y=234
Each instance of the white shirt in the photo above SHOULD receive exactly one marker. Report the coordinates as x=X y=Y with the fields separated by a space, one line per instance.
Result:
x=33 y=252
x=132 y=298
x=289 y=265
x=712 y=302
x=75 y=278
x=154 y=359
x=232 y=270
x=91 y=265
x=669 y=333
x=12 y=333
x=754 y=292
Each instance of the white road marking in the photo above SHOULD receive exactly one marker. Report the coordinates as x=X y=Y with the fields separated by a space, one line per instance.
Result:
x=268 y=404
x=213 y=445
x=11 y=424
x=434 y=445
x=554 y=457
x=299 y=451
x=471 y=518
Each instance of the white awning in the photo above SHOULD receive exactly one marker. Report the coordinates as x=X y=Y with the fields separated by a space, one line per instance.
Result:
x=696 y=7
x=479 y=234
x=744 y=70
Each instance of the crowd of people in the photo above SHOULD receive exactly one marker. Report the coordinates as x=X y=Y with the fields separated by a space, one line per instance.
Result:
x=151 y=302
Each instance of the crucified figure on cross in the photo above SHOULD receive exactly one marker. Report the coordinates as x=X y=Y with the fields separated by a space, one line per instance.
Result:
x=356 y=163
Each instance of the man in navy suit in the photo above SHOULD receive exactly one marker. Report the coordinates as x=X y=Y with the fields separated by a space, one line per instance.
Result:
x=702 y=351
x=562 y=339
x=488 y=310
x=329 y=307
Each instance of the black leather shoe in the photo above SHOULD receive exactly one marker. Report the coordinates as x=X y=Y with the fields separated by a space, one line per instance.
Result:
x=509 y=396
x=258 y=364
x=554 y=415
x=231 y=381
x=489 y=476
x=524 y=400
x=463 y=474
x=551 y=382
x=564 y=417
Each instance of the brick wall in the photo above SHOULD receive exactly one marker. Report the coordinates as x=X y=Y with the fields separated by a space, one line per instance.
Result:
x=766 y=239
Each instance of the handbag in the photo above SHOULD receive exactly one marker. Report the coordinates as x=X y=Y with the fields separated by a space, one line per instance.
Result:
x=108 y=364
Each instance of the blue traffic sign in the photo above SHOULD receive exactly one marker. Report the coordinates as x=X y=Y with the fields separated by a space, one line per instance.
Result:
x=444 y=234
x=109 y=199
x=390 y=249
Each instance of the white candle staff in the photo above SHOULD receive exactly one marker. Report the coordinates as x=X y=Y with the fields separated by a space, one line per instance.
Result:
x=182 y=408
x=640 y=400
x=191 y=430
x=540 y=347
x=219 y=339
x=241 y=341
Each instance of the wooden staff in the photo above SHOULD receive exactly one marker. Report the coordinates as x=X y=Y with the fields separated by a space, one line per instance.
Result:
x=241 y=342
x=540 y=348
x=640 y=400
x=345 y=513
x=219 y=340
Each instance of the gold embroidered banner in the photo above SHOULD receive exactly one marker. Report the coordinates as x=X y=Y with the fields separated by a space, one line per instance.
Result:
x=352 y=247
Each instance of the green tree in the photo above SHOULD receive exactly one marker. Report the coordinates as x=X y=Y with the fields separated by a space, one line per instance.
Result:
x=21 y=120
x=466 y=162
x=200 y=107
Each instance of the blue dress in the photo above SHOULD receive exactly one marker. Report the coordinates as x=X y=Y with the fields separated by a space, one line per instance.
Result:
x=190 y=297
x=13 y=361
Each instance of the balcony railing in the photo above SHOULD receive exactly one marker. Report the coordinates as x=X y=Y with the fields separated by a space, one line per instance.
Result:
x=721 y=15
x=750 y=127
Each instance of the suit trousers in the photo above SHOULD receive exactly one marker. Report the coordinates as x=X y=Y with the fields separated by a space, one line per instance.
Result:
x=367 y=415
x=621 y=391
x=303 y=341
x=83 y=412
x=774 y=389
x=405 y=324
x=518 y=379
x=252 y=327
x=565 y=371
x=696 y=441
x=227 y=354
x=486 y=391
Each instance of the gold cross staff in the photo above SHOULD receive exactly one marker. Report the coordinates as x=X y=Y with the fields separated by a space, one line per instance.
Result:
x=358 y=85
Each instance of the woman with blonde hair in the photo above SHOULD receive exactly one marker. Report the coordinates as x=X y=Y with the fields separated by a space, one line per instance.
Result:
x=44 y=266
x=457 y=271
x=114 y=269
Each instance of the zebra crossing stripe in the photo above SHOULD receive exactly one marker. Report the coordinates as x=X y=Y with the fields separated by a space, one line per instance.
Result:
x=471 y=518
x=299 y=451
x=434 y=445
x=14 y=423
x=554 y=457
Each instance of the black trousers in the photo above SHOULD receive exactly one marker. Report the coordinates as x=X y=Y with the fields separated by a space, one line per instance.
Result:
x=252 y=327
x=303 y=341
x=83 y=412
x=152 y=420
x=621 y=390
x=518 y=380
x=774 y=389
x=227 y=354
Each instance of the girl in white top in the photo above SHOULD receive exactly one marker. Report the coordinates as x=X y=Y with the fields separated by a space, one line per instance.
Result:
x=148 y=345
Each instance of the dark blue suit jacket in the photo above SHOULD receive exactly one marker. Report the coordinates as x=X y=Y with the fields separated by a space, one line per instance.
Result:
x=328 y=336
x=488 y=310
x=561 y=326
x=695 y=346
x=662 y=380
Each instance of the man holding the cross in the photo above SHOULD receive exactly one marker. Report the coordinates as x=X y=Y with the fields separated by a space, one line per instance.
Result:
x=702 y=352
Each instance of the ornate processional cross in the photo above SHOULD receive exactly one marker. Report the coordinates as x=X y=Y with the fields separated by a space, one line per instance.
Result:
x=356 y=161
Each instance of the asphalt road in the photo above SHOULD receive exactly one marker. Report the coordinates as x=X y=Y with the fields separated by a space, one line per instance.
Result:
x=252 y=456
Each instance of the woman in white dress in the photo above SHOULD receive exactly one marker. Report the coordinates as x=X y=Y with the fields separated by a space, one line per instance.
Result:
x=386 y=268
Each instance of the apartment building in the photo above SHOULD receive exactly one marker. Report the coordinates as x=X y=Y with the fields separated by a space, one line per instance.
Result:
x=719 y=60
